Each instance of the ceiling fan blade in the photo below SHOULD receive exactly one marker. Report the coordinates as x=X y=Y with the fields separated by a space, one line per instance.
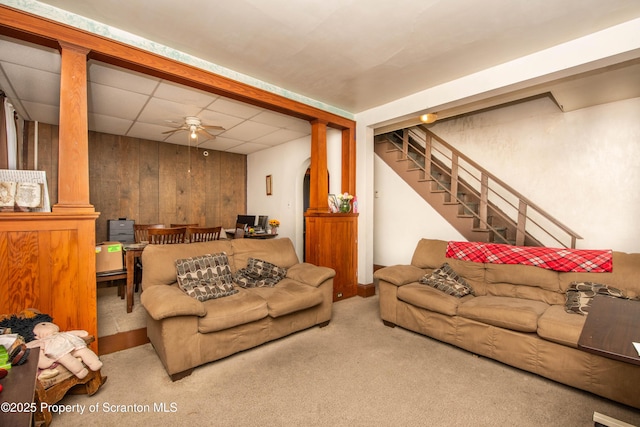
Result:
x=172 y=131
x=205 y=131
x=212 y=127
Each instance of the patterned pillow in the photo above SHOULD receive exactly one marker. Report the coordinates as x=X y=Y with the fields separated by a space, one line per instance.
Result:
x=580 y=295
x=259 y=273
x=206 y=276
x=447 y=281
x=206 y=289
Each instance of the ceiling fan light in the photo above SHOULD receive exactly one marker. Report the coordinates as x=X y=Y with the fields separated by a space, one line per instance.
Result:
x=428 y=118
x=194 y=135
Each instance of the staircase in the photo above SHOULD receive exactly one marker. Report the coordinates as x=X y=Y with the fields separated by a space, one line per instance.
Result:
x=476 y=203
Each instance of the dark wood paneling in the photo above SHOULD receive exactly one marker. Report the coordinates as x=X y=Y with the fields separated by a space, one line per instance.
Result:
x=154 y=182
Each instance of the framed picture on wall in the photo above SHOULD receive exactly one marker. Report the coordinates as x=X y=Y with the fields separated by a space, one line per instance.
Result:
x=269 y=185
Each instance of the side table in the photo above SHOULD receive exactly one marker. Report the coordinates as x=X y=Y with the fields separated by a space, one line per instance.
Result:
x=611 y=328
x=16 y=397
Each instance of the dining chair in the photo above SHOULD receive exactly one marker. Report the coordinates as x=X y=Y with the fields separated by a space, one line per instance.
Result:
x=140 y=231
x=203 y=234
x=141 y=235
x=165 y=236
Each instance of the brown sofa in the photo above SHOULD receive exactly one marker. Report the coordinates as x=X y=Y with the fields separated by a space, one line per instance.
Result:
x=187 y=333
x=516 y=315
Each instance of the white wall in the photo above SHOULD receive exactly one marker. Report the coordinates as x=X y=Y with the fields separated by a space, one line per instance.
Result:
x=287 y=164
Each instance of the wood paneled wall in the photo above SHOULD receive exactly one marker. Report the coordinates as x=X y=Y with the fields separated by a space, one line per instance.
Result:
x=153 y=182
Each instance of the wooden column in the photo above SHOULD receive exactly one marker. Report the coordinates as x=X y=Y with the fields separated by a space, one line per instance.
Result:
x=348 y=161
x=73 y=175
x=319 y=189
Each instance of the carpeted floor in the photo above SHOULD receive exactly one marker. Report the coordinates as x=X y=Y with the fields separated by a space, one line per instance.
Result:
x=354 y=372
x=112 y=312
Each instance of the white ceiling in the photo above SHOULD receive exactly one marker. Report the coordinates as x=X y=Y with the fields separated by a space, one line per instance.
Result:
x=348 y=54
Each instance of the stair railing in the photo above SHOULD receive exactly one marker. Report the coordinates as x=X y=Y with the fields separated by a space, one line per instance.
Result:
x=494 y=194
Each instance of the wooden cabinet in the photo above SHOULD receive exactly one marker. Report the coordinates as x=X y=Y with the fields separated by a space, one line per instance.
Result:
x=332 y=241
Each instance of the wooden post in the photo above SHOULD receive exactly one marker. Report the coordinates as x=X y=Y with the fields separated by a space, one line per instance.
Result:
x=348 y=162
x=73 y=175
x=319 y=188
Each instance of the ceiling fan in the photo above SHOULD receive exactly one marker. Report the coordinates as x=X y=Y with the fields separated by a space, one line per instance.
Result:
x=194 y=125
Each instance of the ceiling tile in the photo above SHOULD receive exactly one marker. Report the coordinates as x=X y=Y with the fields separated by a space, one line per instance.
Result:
x=209 y=117
x=220 y=143
x=184 y=94
x=248 y=131
x=34 y=56
x=147 y=131
x=247 y=148
x=43 y=112
x=280 y=136
x=34 y=85
x=108 y=124
x=117 y=77
x=172 y=113
x=234 y=108
x=111 y=101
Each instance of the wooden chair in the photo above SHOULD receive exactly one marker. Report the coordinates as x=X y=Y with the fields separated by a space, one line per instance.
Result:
x=203 y=234
x=166 y=236
x=140 y=231
x=141 y=235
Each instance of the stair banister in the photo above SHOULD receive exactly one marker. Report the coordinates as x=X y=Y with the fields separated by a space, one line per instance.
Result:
x=521 y=222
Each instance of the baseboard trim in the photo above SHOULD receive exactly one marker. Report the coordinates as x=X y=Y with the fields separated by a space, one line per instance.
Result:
x=122 y=341
x=367 y=290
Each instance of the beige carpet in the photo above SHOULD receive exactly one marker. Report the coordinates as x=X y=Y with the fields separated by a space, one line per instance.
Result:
x=112 y=312
x=354 y=372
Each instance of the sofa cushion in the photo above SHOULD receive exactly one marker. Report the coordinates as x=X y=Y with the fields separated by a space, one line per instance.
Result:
x=506 y=312
x=430 y=298
x=259 y=273
x=557 y=325
x=527 y=275
x=429 y=253
x=579 y=296
x=289 y=296
x=205 y=277
x=239 y=309
x=447 y=281
x=276 y=251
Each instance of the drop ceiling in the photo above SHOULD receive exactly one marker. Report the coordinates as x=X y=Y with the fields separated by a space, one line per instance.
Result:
x=349 y=55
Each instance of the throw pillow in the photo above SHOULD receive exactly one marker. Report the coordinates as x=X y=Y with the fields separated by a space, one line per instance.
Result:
x=447 y=281
x=579 y=296
x=206 y=276
x=206 y=289
x=259 y=273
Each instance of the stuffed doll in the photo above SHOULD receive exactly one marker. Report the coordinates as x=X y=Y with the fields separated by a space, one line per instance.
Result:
x=66 y=348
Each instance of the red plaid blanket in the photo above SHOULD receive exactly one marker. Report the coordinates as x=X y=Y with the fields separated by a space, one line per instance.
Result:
x=558 y=259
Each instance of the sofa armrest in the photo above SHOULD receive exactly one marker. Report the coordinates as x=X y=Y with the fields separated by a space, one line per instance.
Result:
x=310 y=274
x=399 y=274
x=163 y=301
